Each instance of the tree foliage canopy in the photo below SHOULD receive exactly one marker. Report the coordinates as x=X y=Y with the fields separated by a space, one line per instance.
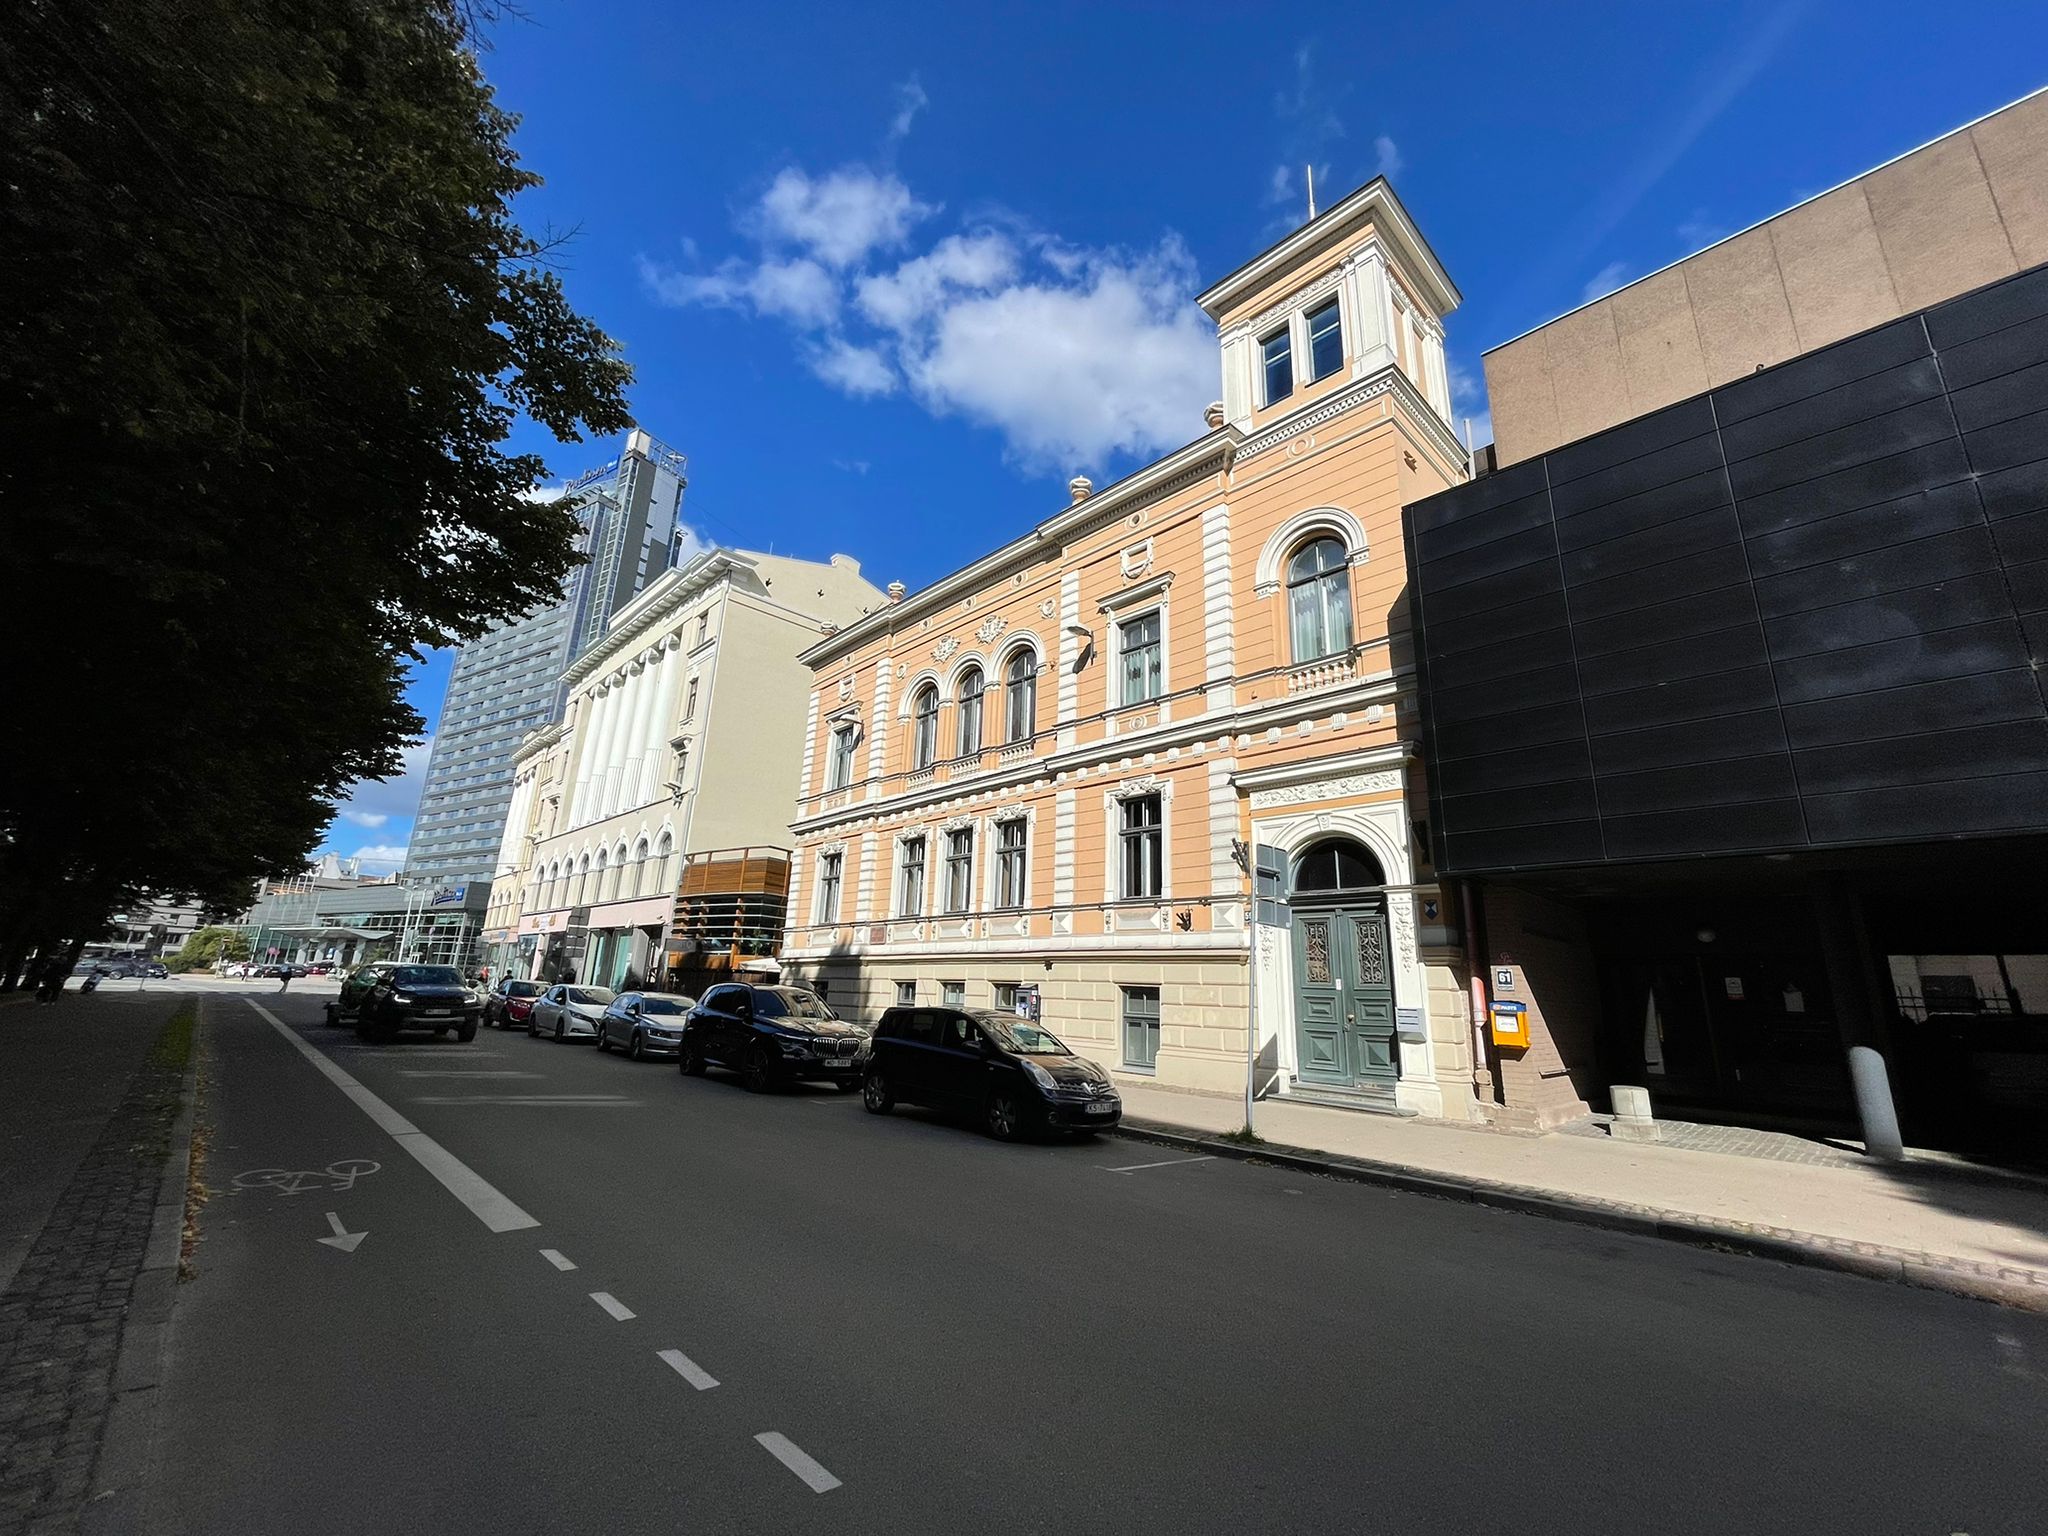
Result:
x=268 y=323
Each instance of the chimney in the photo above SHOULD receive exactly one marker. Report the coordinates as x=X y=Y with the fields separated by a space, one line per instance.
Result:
x=1080 y=488
x=895 y=589
x=1214 y=415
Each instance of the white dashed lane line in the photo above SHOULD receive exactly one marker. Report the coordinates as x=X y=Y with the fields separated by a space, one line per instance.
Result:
x=778 y=1445
x=557 y=1259
x=688 y=1369
x=613 y=1305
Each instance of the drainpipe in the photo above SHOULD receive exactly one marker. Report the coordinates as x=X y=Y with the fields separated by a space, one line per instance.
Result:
x=1483 y=1053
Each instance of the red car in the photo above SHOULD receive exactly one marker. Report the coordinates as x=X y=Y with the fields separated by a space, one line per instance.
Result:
x=510 y=1002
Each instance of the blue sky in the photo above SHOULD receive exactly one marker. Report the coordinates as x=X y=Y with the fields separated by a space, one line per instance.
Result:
x=890 y=274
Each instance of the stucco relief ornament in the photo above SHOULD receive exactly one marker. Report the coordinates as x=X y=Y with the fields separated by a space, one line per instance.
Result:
x=1045 y=609
x=991 y=626
x=1135 y=561
x=945 y=648
x=1402 y=911
x=845 y=689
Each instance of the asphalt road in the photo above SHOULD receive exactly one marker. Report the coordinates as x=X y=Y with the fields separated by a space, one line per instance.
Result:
x=946 y=1334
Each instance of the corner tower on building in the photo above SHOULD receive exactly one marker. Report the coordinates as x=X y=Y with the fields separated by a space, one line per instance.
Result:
x=1022 y=785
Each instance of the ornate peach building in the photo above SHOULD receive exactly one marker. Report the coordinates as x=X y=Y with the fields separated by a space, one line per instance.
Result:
x=1037 y=773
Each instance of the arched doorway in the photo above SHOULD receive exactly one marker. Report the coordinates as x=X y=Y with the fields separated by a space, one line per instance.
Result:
x=1343 y=968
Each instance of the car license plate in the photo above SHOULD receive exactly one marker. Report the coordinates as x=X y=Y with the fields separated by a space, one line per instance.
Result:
x=433 y=1013
x=1101 y=1109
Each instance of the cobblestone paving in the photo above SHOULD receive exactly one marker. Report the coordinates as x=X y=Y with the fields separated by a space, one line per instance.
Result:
x=61 y=1317
x=1736 y=1140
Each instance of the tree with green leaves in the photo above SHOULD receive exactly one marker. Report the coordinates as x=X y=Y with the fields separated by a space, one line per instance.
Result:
x=269 y=321
x=207 y=947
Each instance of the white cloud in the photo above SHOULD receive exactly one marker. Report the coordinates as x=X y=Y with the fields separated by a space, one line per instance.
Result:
x=1389 y=153
x=379 y=859
x=852 y=466
x=906 y=297
x=910 y=100
x=372 y=803
x=1469 y=404
x=799 y=291
x=543 y=494
x=840 y=217
x=1610 y=277
x=690 y=544
x=1699 y=231
x=858 y=371
x=1071 y=371
x=371 y=820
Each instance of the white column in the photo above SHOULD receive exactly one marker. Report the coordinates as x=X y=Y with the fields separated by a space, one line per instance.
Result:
x=589 y=732
x=1439 y=375
x=1219 y=641
x=597 y=760
x=1070 y=652
x=1237 y=379
x=648 y=687
x=615 y=747
x=1372 y=315
x=803 y=787
x=661 y=721
x=864 y=905
x=878 y=723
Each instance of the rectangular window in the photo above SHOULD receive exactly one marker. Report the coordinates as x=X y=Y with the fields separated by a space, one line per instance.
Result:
x=913 y=878
x=1140 y=838
x=959 y=869
x=1325 y=341
x=1006 y=996
x=1141 y=1027
x=703 y=626
x=1010 y=841
x=1276 y=357
x=906 y=993
x=829 y=865
x=953 y=993
x=1138 y=672
x=690 y=701
x=839 y=771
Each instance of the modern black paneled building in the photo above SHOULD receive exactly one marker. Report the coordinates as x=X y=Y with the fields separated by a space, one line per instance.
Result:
x=1744 y=700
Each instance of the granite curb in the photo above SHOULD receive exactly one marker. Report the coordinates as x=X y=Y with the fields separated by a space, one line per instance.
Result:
x=2024 y=1289
x=128 y=1443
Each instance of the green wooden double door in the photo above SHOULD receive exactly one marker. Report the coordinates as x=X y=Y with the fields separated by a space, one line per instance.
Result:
x=1344 y=996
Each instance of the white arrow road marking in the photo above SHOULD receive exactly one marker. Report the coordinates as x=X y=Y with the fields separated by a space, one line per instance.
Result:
x=613 y=1305
x=689 y=1369
x=457 y=1177
x=778 y=1446
x=343 y=1239
x=557 y=1259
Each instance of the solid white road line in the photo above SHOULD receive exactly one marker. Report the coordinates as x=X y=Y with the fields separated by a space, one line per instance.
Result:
x=555 y=1258
x=618 y=1309
x=1171 y=1162
x=456 y=1176
x=543 y=1100
x=500 y=1073
x=778 y=1446
x=689 y=1370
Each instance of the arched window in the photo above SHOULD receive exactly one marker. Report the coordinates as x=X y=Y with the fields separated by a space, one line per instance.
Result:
x=640 y=869
x=581 y=892
x=662 y=850
x=550 y=885
x=924 y=742
x=1335 y=866
x=1020 y=696
x=971 y=685
x=1319 y=600
x=597 y=891
x=619 y=885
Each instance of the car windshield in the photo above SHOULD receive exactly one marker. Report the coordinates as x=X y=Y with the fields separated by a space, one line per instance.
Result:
x=664 y=1005
x=588 y=994
x=523 y=989
x=426 y=976
x=1025 y=1039
x=791 y=1003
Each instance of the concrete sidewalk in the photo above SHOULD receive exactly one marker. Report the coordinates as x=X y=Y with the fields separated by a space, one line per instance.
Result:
x=1924 y=1222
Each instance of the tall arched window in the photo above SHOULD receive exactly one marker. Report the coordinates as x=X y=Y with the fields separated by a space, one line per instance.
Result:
x=640 y=869
x=662 y=850
x=619 y=886
x=1319 y=600
x=581 y=894
x=924 y=742
x=971 y=686
x=553 y=888
x=597 y=891
x=1020 y=696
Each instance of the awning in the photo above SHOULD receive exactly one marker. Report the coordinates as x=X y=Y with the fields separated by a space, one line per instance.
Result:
x=316 y=931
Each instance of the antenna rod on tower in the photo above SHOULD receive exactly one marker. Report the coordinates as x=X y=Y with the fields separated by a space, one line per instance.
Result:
x=1311 y=190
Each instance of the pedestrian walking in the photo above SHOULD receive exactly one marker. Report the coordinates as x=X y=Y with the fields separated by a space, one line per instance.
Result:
x=284 y=977
x=50 y=982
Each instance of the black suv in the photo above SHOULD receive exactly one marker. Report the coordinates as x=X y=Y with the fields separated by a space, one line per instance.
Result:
x=771 y=1036
x=384 y=997
x=1010 y=1075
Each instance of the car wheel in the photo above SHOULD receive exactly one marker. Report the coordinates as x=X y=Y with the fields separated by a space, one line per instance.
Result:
x=333 y=1015
x=561 y=1027
x=466 y=1034
x=690 y=1058
x=636 y=1048
x=531 y=1033
x=874 y=1093
x=1005 y=1118
x=604 y=1041
x=759 y=1071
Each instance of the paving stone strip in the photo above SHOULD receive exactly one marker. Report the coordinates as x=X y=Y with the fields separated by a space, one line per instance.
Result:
x=61 y=1318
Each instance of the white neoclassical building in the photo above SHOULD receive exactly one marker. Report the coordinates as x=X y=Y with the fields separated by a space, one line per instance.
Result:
x=681 y=733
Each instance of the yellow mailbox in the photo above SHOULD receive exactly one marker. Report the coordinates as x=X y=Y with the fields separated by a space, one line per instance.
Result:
x=1511 y=1026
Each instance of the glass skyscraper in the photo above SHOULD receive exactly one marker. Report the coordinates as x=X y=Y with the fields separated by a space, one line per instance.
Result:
x=507 y=681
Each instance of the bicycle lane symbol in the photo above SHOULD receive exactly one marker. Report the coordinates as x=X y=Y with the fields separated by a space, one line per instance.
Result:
x=287 y=1181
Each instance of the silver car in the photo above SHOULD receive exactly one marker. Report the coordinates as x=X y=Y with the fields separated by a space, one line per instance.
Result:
x=644 y=1023
x=568 y=1011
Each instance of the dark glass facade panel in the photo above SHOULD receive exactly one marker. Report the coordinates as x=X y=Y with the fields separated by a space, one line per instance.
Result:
x=1807 y=609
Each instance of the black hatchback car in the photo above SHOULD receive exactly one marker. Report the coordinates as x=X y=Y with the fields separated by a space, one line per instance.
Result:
x=385 y=997
x=771 y=1036
x=1012 y=1076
